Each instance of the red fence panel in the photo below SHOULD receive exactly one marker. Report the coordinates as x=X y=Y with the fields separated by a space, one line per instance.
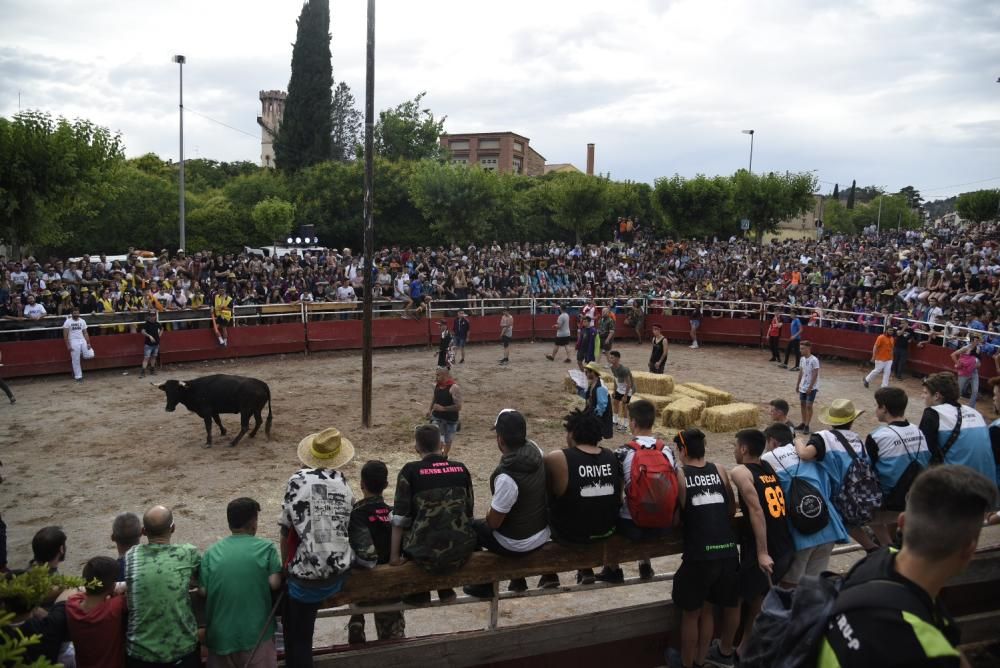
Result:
x=390 y=332
x=335 y=334
x=48 y=356
x=192 y=345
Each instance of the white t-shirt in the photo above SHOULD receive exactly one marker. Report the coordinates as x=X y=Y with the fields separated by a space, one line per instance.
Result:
x=504 y=497
x=810 y=369
x=562 y=325
x=34 y=311
x=76 y=329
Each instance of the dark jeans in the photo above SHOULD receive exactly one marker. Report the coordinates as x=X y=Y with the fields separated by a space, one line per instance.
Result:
x=899 y=357
x=487 y=541
x=793 y=349
x=192 y=660
x=299 y=622
x=3 y=545
x=6 y=390
x=775 y=350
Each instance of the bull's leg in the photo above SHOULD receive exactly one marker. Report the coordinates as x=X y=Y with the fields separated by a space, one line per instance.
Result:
x=218 y=421
x=208 y=431
x=244 y=426
x=256 y=423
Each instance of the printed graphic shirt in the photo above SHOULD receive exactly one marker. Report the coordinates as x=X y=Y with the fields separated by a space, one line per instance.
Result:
x=892 y=447
x=810 y=369
x=161 y=624
x=76 y=329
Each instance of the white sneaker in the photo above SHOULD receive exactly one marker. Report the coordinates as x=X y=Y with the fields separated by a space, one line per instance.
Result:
x=693 y=346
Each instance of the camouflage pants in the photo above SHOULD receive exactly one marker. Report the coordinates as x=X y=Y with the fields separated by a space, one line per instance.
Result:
x=387 y=624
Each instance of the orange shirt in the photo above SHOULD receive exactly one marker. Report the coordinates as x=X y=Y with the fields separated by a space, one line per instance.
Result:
x=883 y=348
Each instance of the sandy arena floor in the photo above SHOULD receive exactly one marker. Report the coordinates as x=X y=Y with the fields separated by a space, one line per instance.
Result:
x=76 y=455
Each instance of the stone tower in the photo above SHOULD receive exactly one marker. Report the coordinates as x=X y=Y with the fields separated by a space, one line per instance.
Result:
x=272 y=110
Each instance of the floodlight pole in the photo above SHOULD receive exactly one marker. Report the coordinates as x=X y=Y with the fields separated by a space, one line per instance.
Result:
x=180 y=60
x=369 y=250
x=751 y=133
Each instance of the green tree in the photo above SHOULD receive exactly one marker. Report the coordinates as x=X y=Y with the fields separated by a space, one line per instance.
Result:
x=142 y=213
x=273 y=219
x=212 y=223
x=328 y=195
x=912 y=196
x=702 y=206
x=459 y=201
x=768 y=199
x=408 y=132
x=244 y=192
x=850 y=195
x=836 y=192
x=305 y=135
x=979 y=205
x=52 y=171
x=347 y=122
x=579 y=203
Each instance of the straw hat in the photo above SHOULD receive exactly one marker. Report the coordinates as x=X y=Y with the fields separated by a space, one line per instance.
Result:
x=593 y=366
x=327 y=449
x=841 y=411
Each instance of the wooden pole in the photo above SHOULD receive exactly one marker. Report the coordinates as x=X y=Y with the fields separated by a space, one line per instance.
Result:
x=366 y=364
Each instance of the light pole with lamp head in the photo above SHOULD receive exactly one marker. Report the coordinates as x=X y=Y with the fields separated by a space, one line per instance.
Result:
x=180 y=60
x=750 y=132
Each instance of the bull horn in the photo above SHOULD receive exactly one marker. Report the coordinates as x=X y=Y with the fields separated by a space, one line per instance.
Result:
x=184 y=384
x=158 y=386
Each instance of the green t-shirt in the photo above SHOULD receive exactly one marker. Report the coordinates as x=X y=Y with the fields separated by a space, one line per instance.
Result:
x=161 y=624
x=234 y=574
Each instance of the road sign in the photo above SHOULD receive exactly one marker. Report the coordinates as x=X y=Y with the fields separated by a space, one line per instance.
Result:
x=745 y=224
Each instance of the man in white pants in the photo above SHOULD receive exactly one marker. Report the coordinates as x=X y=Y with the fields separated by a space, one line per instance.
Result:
x=77 y=341
x=882 y=357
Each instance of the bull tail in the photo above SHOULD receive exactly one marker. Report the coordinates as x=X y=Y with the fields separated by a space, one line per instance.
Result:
x=267 y=424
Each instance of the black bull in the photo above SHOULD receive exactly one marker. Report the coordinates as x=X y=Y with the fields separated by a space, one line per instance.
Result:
x=209 y=396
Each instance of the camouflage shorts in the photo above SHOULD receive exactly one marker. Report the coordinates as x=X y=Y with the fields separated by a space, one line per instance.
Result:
x=388 y=625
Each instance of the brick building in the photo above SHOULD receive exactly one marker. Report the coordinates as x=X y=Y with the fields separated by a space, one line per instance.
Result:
x=495 y=151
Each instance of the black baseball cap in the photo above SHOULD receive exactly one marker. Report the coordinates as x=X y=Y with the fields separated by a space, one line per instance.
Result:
x=511 y=426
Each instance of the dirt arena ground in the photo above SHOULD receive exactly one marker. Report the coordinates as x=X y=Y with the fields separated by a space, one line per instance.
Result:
x=76 y=455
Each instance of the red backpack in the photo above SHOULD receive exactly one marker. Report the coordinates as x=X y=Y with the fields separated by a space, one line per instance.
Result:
x=653 y=488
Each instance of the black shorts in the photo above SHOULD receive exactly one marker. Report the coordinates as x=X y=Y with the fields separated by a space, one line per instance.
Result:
x=618 y=396
x=505 y=340
x=657 y=368
x=223 y=322
x=563 y=340
x=417 y=301
x=713 y=581
x=753 y=581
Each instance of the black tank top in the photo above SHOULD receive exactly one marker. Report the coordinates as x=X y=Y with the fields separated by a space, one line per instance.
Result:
x=708 y=531
x=657 y=353
x=588 y=510
x=772 y=502
x=442 y=397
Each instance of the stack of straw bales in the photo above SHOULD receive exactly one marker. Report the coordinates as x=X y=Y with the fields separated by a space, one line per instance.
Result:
x=716 y=397
x=730 y=417
x=657 y=384
x=659 y=403
x=682 y=413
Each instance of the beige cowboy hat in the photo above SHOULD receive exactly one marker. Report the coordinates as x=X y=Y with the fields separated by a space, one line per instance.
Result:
x=841 y=411
x=327 y=449
x=593 y=366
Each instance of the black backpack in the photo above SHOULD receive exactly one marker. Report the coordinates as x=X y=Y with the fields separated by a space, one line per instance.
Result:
x=807 y=510
x=792 y=622
x=938 y=455
x=860 y=494
x=896 y=500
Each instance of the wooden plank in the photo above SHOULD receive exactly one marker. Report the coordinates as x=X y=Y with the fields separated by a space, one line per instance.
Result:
x=504 y=644
x=392 y=581
x=979 y=627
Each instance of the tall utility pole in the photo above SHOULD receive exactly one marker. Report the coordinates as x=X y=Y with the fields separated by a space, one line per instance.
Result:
x=750 y=132
x=180 y=60
x=366 y=337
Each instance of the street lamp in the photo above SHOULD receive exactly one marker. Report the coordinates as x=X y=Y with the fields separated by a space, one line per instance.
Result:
x=750 y=132
x=180 y=60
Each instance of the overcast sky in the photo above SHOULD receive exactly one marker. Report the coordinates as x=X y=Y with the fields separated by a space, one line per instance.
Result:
x=888 y=92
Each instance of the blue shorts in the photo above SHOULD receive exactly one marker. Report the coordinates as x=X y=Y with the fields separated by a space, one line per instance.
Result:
x=695 y=324
x=447 y=429
x=808 y=397
x=460 y=341
x=150 y=350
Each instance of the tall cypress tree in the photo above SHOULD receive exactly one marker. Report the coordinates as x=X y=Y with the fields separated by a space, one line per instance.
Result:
x=836 y=192
x=304 y=136
x=850 y=194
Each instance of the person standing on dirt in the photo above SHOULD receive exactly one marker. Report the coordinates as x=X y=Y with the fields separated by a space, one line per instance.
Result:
x=563 y=335
x=6 y=388
x=606 y=329
x=696 y=315
x=77 y=342
x=794 y=339
x=461 y=329
x=658 y=354
x=506 y=334
x=774 y=337
x=151 y=332
x=446 y=348
x=445 y=407
x=624 y=388
x=586 y=343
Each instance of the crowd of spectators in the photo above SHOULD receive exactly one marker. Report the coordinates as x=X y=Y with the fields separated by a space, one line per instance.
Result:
x=944 y=275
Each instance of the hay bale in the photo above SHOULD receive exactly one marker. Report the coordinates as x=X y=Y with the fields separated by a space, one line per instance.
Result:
x=716 y=397
x=686 y=391
x=682 y=413
x=569 y=385
x=730 y=417
x=659 y=403
x=659 y=384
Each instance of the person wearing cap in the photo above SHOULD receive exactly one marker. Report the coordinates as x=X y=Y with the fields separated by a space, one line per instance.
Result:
x=586 y=343
x=563 y=334
x=882 y=353
x=461 y=328
x=828 y=448
x=446 y=347
x=318 y=543
x=432 y=512
x=517 y=521
x=446 y=405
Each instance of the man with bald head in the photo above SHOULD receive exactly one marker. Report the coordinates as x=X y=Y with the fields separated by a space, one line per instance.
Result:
x=162 y=630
